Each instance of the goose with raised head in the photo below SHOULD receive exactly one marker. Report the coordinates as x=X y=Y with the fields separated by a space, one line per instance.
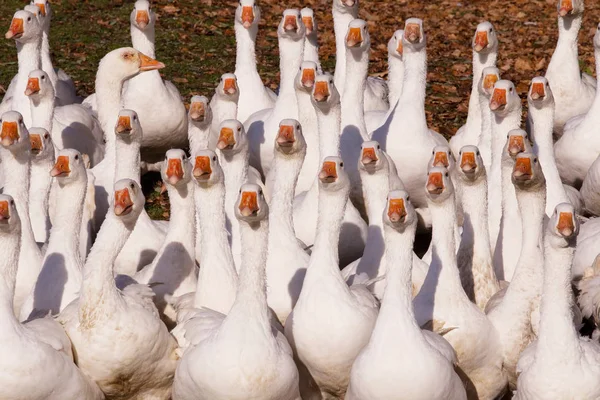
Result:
x=511 y=315
x=38 y=351
x=42 y=161
x=254 y=96
x=326 y=101
x=157 y=102
x=262 y=125
x=386 y=369
x=117 y=333
x=223 y=105
x=443 y=306
x=489 y=77
x=574 y=90
x=15 y=153
x=474 y=255
x=311 y=41
x=485 y=52
x=560 y=364
x=327 y=308
x=173 y=271
x=200 y=118
x=251 y=359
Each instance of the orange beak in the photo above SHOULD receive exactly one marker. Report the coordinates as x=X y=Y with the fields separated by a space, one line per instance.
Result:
x=123 y=203
x=142 y=18
x=354 y=37
x=328 y=172
x=396 y=210
x=248 y=204
x=174 y=171
x=308 y=78
x=467 y=162
x=61 y=168
x=566 y=7
x=16 y=29
x=565 y=224
x=4 y=212
x=42 y=8
x=290 y=23
x=498 y=99
x=202 y=169
x=440 y=159
x=9 y=134
x=537 y=91
x=149 y=64
x=435 y=183
x=247 y=16
x=412 y=33
x=516 y=145
x=308 y=23
x=36 y=143
x=481 y=41
x=33 y=86
x=226 y=139
x=522 y=170
x=123 y=125
x=368 y=156
x=229 y=86
x=400 y=48
x=321 y=92
x=285 y=137
x=489 y=81
x=197 y=111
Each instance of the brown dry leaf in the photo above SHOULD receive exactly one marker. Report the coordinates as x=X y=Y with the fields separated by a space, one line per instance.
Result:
x=523 y=65
x=170 y=9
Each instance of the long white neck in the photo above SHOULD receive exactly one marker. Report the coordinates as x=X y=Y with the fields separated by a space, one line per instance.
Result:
x=45 y=55
x=128 y=154
x=563 y=69
x=329 y=130
x=280 y=213
x=290 y=58
x=511 y=217
x=340 y=26
x=311 y=49
x=42 y=111
x=198 y=134
x=29 y=59
x=395 y=79
x=592 y=118
x=223 y=108
x=182 y=230
x=480 y=61
x=245 y=56
x=412 y=100
x=144 y=40
x=39 y=189
x=10 y=244
x=485 y=140
x=357 y=68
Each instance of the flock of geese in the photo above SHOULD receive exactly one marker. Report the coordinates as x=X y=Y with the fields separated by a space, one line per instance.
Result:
x=287 y=270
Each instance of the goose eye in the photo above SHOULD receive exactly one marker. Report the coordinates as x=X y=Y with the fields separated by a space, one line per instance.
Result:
x=46 y=136
x=214 y=158
x=331 y=82
x=260 y=191
x=21 y=121
x=240 y=190
x=491 y=30
x=477 y=152
x=134 y=118
x=43 y=78
x=510 y=90
x=12 y=202
x=29 y=19
x=76 y=156
x=378 y=147
x=446 y=174
x=132 y=186
x=407 y=198
x=535 y=160
x=239 y=128
x=342 y=164
x=297 y=127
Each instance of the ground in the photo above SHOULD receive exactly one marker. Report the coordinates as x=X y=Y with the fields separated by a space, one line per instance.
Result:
x=195 y=39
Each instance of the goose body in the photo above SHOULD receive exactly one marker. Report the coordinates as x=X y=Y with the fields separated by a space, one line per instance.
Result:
x=42 y=162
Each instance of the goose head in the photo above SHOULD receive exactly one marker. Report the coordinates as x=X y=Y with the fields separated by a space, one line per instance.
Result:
x=289 y=139
x=527 y=172
x=9 y=217
x=470 y=163
x=39 y=85
x=489 y=77
x=332 y=176
x=399 y=212
x=414 y=35
x=346 y=6
x=24 y=27
x=206 y=169
x=324 y=93
x=504 y=98
x=127 y=62
x=485 y=40
x=14 y=135
x=291 y=26
x=69 y=167
x=251 y=206
x=517 y=142
x=142 y=16
x=441 y=156
x=439 y=185
x=228 y=87
x=309 y=21
x=357 y=36
x=570 y=8
x=540 y=94
x=45 y=8
x=563 y=223
x=41 y=143
x=372 y=159
x=305 y=79
x=247 y=14
x=200 y=110
x=176 y=170
x=35 y=10
x=128 y=200
x=232 y=137
x=128 y=127
x=395 y=46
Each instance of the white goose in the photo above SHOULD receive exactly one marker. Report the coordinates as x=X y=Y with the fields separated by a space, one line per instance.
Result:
x=223 y=105
x=38 y=359
x=311 y=41
x=250 y=358
x=327 y=308
x=386 y=367
x=589 y=189
x=42 y=161
x=119 y=333
x=489 y=77
x=200 y=119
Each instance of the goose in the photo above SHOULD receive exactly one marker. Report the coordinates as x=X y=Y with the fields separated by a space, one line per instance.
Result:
x=38 y=351
x=559 y=364
x=221 y=343
x=262 y=125
x=443 y=305
x=327 y=308
x=573 y=90
x=311 y=41
x=286 y=260
x=511 y=315
x=15 y=153
x=148 y=236
x=489 y=77
x=326 y=101
x=485 y=52
x=224 y=105
x=474 y=257
x=589 y=189
x=587 y=248
x=386 y=367
x=200 y=117
x=573 y=159
x=411 y=142
x=254 y=96
x=173 y=272
x=157 y=102
x=541 y=114
x=71 y=126
x=588 y=299
x=117 y=333
x=42 y=161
